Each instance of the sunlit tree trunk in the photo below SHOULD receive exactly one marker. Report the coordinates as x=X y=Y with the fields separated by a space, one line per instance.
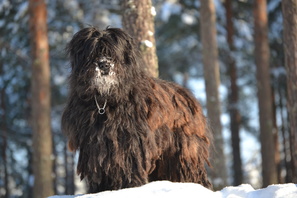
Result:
x=138 y=21
x=40 y=102
x=264 y=93
x=212 y=82
x=290 y=44
x=235 y=117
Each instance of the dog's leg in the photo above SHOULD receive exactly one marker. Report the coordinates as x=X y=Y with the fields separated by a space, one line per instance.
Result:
x=186 y=164
x=191 y=158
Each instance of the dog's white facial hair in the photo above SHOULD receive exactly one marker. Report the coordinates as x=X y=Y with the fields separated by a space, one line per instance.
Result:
x=104 y=82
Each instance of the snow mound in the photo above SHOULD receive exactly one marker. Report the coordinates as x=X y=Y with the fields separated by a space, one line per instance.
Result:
x=163 y=189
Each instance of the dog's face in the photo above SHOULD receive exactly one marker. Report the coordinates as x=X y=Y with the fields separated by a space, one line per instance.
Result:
x=101 y=60
x=104 y=77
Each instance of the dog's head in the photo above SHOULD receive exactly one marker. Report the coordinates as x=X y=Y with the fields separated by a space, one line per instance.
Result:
x=101 y=61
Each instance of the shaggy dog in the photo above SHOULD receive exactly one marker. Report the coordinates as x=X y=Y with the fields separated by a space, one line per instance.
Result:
x=129 y=127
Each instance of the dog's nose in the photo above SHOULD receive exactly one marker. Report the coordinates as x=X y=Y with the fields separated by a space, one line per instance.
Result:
x=104 y=66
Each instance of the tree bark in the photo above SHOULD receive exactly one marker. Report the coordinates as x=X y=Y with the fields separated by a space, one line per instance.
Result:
x=264 y=93
x=235 y=117
x=212 y=82
x=277 y=157
x=40 y=87
x=289 y=8
x=138 y=21
x=284 y=133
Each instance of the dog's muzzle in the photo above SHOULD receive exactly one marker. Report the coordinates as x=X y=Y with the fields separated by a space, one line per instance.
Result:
x=104 y=66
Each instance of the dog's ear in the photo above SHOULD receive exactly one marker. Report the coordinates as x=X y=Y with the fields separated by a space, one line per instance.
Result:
x=82 y=46
x=131 y=53
x=126 y=49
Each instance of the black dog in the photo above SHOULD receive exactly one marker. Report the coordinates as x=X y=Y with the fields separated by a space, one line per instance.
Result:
x=129 y=127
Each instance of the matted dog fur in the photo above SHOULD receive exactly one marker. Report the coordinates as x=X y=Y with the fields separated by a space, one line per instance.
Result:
x=129 y=127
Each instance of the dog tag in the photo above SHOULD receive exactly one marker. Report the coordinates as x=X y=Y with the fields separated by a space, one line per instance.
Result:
x=101 y=111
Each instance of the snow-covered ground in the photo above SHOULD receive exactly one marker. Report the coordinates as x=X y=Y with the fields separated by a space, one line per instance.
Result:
x=164 y=189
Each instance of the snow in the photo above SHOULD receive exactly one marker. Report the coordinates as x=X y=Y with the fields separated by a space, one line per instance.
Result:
x=163 y=189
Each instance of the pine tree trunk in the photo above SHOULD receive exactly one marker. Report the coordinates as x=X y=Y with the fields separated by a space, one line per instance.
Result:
x=277 y=157
x=235 y=117
x=212 y=82
x=284 y=131
x=40 y=102
x=29 y=189
x=138 y=21
x=290 y=44
x=4 y=136
x=264 y=93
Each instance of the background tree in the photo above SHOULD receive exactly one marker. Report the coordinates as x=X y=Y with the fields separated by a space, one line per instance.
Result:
x=212 y=82
x=40 y=101
x=233 y=98
x=4 y=135
x=138 y=21
x=290 y=45
x=264 y=93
